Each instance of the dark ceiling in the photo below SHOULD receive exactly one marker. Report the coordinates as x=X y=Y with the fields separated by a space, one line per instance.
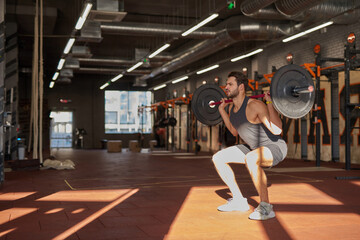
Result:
x=106 y=49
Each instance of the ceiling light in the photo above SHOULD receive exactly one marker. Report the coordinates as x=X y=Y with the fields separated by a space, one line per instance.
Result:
x=180 y=79
x=200 y=24
x=135 y=66
x=83 y=16
x=159 y=87
x=307 y=31
x=207 y=69
x=69 y=45
x=61 y=64
x=56 y=74
x=159 y=50
x=247 y=55
x=105 y=85
x=116 y=78
x=51 y=85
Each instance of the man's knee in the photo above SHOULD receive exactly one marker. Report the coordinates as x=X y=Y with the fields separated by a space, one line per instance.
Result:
x=252 y=159
x=217 y=158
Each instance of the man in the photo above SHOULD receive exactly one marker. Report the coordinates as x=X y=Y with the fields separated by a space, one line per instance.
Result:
x=259 y=126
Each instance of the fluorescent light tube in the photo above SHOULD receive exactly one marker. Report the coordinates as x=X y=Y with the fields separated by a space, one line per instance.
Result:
x=200 y=24
x=159 y=87
x=207 y=69
x=307 y=31
x=69 y=45
x=83 y=16
x=247 y=55
x=61 y=64
x=105 y=85
x=117 y=78
x=159 y=50
x=180 y=79
x=51 y=85
x=56 y=74
x=135 y=66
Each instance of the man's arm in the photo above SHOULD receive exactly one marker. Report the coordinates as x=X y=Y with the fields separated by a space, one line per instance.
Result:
x=274 y=115
x=264 y=116
x=226 y=118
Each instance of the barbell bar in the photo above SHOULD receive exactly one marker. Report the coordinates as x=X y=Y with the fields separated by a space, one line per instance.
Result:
x=291 y=90
x=296 y=91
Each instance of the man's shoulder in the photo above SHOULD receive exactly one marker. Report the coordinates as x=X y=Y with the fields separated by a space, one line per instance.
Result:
x=255 y=103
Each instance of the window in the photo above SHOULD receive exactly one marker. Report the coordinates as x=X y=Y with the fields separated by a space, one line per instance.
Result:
x=122 y=115
x=61 y=129
x=111 y=117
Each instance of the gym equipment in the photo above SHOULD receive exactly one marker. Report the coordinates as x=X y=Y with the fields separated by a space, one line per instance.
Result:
x=291 y=91
x=200 y=103
x=168 y=122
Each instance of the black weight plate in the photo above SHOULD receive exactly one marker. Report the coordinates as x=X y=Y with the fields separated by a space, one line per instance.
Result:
x=172 y=121
x=283 y=82
x=201 y=98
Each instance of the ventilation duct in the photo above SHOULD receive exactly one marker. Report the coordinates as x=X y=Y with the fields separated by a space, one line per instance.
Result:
x=344 y=9
x=114 y=62
x=293 y=7
x=154 y=29
x=111 y=71
x=90 y=32
x=107 y=11
x=249 y=7
x=80 y=51
x=235 y=29
x=66 y=73
x=71 y=63
x=63 y=80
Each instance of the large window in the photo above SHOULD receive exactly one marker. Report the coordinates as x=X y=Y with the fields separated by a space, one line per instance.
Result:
x=61 y=129
x=122 y=115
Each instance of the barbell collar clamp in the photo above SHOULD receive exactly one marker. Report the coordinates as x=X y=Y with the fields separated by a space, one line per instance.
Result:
x=298 y=90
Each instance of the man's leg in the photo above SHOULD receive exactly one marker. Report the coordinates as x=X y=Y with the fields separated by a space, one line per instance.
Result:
x=255 y=160
x=221 y=161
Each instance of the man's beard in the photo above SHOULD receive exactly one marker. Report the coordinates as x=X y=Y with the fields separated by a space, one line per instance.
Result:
x=233 y=94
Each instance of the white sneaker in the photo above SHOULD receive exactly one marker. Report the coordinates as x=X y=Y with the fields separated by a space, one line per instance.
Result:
x=263 y=212
x=235 y=205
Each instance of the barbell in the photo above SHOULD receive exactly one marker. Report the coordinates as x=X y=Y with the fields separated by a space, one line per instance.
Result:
x=291 y=90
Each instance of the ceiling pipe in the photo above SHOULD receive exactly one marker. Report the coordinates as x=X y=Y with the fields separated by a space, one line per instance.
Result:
x=249 y=7
x=320 y=12
x=238 y=28
x=114 y=62
x=110 y=71
x=293 y=7
x=153 y=29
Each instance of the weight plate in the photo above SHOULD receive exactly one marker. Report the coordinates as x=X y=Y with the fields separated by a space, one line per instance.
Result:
x=283 y=82
x=201 y=98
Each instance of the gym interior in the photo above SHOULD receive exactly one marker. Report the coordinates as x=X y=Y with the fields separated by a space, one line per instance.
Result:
x=106 y=134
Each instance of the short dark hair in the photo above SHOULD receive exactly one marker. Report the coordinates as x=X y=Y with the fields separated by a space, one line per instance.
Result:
x=240 y=78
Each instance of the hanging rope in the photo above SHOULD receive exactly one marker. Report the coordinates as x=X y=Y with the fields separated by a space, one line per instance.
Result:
x=41 y=84
x=36 y=115
x=33 y=116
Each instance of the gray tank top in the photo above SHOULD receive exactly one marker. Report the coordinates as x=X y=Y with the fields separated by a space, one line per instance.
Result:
x=255 y=135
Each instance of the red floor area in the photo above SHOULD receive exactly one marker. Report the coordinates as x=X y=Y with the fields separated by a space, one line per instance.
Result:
x=152 y=196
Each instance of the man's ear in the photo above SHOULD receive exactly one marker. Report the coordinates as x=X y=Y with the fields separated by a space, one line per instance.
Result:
x=241 y=86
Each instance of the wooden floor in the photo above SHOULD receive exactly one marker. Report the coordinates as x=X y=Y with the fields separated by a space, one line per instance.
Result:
x=159 y=195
